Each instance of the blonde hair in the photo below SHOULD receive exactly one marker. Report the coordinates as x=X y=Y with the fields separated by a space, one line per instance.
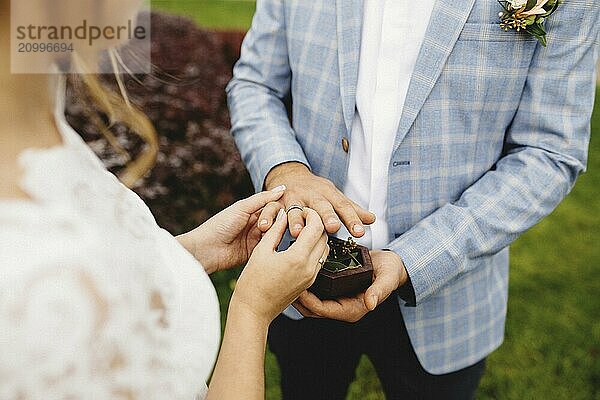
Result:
x=118 y=108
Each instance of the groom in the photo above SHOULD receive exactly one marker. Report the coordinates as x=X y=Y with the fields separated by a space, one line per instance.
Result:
x=459 y=136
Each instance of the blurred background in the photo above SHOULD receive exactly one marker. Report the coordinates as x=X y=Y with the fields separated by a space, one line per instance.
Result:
x=552 y=346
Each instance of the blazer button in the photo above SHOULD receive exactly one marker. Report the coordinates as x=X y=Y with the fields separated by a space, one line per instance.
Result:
x=345 y=144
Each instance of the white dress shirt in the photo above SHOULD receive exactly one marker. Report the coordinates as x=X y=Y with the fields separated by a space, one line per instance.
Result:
x=392 y=34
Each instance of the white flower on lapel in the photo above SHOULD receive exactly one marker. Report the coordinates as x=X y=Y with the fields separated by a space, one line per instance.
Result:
x=538 y=9
x=516 y=4
x=528 y=16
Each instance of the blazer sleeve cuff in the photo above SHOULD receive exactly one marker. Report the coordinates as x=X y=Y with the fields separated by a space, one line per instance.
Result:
x=427 y=265
x=272 y=155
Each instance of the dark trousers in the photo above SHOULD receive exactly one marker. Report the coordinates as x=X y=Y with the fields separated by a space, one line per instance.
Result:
x=318 y=359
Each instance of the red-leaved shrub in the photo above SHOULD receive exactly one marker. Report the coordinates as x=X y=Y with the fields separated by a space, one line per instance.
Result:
x=199 y=170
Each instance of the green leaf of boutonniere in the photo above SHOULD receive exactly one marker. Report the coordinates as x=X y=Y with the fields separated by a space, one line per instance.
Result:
x=537 y=30
x=529 y=16
x=530 y=4
x=552 y=6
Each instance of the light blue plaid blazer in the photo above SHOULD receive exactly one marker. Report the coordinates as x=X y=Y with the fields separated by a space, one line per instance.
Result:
x=494 y=132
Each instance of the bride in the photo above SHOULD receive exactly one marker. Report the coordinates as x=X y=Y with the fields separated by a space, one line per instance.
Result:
x=98 y=302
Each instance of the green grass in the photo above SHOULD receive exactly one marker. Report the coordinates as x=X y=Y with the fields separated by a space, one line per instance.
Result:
x=215 y=14
x=552 y=346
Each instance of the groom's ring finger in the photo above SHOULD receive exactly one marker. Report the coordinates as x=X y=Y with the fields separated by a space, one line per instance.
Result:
x=295 y=218
x=294 y=207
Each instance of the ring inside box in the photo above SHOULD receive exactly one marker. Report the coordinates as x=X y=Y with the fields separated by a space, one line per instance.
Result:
x=347 y=271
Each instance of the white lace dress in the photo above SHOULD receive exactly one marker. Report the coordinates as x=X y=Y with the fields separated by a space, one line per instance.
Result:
x=96 y=301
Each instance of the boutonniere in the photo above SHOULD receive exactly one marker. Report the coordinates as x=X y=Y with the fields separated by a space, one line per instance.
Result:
x=527 y=15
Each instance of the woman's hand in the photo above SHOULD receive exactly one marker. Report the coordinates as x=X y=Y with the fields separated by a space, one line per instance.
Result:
x=227 y=239
x=271 y=281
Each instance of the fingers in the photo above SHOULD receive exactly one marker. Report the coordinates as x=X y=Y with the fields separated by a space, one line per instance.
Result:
x=365 y=216
x=334 y=204
x=319 y=252
x=273 y=236
x=295 y=218
x=310 y=235
x=385 y=283
x=268 y=215
x=316 y=306
x=254 y=203
x=304 y=311
x=347 y=309
x=349 y=216
x=325 y=210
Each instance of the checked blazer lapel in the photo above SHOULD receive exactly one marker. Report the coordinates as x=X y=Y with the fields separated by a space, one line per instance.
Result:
x=447 y=21
x=349 y=31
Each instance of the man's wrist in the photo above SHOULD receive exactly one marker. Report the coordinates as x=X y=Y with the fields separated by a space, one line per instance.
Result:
x=400 y=264
x=278 y=174
x=405 y=290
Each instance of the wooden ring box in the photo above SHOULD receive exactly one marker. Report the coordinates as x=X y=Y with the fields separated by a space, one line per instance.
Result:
x=348 y=282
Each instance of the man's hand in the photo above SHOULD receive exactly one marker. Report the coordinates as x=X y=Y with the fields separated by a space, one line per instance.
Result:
x=389 y=274
x=307 y=190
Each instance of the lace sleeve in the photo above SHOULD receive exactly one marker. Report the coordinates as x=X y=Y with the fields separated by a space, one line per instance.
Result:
x=66 y=332
x=96 y=301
